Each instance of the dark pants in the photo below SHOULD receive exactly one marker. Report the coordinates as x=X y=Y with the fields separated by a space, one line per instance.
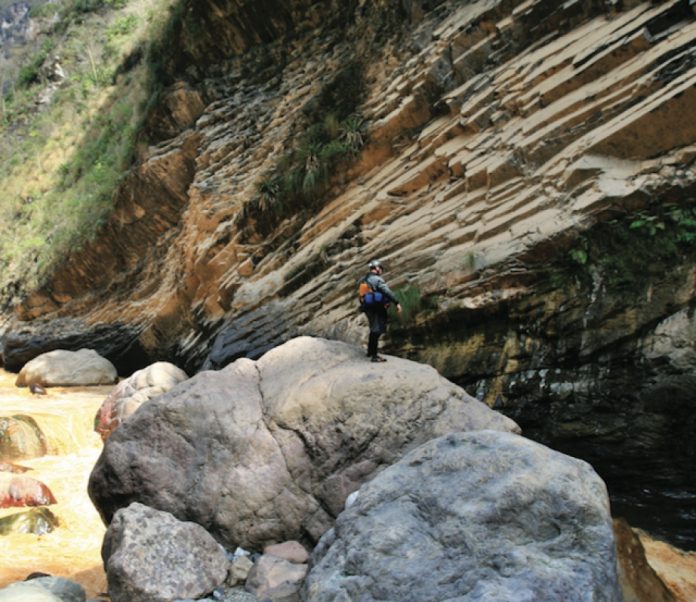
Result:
x=377 y=318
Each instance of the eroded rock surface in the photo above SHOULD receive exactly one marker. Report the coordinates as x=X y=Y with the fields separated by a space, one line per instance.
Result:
x=133 y=391
x=38 y=521
x=20 y=437
x=21 y=490
x=115 y=341
x=473 y=516
x=267 y=451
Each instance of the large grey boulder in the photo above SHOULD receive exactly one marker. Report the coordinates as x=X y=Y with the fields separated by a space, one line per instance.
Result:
x=473 y=516
x=150 y=556
x=67 y=368
x=267 y=451
x=135 y=390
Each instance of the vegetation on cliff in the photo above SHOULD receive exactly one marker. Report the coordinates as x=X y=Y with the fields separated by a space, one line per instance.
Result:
x=73 y=101
x=333 y=133
x=627 y=252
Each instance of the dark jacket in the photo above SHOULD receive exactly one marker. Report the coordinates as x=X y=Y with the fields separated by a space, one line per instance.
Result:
x=377 y=283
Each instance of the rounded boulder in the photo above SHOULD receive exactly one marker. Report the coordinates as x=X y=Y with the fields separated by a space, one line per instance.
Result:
x=473 y=516
x=267 y=451
x=62 y=368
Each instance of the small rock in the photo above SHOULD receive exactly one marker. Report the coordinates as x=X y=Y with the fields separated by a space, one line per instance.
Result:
x=276 y=579
x=350 y=500
x=43 y=589
x=239 y=570
x=292 y=551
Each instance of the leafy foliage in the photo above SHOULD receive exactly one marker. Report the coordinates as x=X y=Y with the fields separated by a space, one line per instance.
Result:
x=86 y=6
x=30 y=73
x=680 y=220
x=413 y=304
x=628 y=249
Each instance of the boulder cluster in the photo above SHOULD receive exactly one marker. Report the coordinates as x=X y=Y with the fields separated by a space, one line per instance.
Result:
x=313 y=474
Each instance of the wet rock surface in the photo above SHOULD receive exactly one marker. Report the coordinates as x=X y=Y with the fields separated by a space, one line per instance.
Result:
x=22 y=490
x=38 y=521
x=20 y=437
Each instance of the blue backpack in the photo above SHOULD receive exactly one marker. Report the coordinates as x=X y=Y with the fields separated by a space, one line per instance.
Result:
x=368 y=296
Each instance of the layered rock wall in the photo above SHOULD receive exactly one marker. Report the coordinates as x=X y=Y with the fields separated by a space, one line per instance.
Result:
x=527 y=177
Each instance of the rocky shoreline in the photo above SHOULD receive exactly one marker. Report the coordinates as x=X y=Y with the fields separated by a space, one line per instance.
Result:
x=314 y=475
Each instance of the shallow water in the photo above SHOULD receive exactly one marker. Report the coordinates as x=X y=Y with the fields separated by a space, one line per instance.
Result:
x=66 y=416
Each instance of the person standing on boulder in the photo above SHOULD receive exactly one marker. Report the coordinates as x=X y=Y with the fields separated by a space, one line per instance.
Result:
x=375 y=297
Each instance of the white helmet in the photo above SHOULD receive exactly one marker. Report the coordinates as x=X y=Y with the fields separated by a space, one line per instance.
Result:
x=374 y=264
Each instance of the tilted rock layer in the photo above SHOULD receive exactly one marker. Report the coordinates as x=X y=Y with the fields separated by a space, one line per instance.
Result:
x=527 y=175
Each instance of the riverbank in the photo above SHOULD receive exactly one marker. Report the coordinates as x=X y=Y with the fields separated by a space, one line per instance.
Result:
x=66 y=416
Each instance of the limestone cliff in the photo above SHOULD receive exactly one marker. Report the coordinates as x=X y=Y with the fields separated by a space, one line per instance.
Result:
x=526 y=173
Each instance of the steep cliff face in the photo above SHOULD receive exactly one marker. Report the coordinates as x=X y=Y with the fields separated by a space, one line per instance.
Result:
x=527 y=176
x=15 y=25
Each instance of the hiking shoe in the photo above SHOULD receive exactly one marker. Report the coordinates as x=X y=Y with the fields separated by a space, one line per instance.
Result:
x=379 y=358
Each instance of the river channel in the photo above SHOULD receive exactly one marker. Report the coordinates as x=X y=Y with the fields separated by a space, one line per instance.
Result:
x=72 y=550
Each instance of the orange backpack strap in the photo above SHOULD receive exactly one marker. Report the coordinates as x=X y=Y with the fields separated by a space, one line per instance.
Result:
x=363 y=289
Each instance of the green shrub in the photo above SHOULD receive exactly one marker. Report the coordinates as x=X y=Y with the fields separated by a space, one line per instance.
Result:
x=87 y=6
x=122 y=26
x=30 y=73
x=340 y=96
x=301 y=176
x=61 y=164
x=624 y=251
x=413 y=304
x=46 y=10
